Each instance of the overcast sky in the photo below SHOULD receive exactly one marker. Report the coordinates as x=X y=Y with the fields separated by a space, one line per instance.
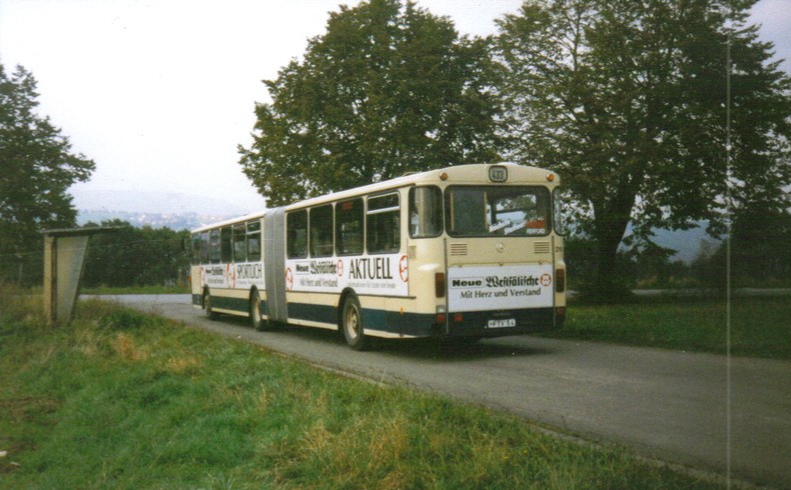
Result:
x=159 y=93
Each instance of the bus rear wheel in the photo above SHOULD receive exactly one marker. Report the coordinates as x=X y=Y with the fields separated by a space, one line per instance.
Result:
x=256 y=316
x=352 y=324
x=210 y=314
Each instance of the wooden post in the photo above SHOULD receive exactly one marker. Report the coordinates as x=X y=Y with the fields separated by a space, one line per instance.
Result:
x=50 y=277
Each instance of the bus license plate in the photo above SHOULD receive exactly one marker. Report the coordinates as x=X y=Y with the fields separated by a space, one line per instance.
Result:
x=502 y=323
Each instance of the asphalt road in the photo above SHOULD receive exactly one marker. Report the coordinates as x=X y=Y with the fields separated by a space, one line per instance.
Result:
x=666 y=405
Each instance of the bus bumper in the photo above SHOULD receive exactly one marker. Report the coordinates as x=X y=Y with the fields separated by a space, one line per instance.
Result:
x=502 y=323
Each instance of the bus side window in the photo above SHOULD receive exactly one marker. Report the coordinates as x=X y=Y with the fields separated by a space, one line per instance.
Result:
x=297 y=234
x=253 y=241
x=214 y=246
x=558 y=201
x=204 y=247
x=196 y=242
x=321 y=231
x=239 y=245
x=383 y=232
x=425 y=212
x=226 y=247
x=349 y=227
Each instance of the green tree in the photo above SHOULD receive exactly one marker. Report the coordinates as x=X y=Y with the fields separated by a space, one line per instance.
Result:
x=37 y=170
x=132 y=256
x=759 y=249
x=630 y=102
x=652 y=266
x=388 y=89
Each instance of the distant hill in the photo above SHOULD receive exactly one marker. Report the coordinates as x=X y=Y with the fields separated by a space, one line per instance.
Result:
x=176 y=211
x=182 y=221
x=163 y=203
x=686 y=243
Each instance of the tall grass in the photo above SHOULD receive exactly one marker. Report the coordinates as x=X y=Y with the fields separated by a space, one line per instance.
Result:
x=121 y=400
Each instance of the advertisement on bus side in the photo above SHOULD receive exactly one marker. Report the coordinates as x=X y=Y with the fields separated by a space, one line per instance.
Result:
x=243 y=276
x=386 y=275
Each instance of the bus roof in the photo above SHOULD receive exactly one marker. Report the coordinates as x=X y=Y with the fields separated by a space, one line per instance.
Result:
x=470 y=173
x=232 y=221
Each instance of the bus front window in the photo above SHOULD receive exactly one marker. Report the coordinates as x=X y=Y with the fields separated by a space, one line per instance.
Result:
x=497 y=211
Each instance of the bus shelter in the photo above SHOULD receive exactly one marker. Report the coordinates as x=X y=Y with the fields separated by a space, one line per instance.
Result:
x=64 y=262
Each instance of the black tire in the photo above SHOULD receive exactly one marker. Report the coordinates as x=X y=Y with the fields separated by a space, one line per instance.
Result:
x=256 y=315
x=352 y=324
x=210 y=314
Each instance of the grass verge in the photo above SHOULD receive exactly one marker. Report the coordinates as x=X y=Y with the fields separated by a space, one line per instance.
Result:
x=122 y=400
x=760 y=326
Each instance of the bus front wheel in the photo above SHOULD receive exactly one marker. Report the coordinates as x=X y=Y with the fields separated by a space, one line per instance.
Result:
x=352 y=324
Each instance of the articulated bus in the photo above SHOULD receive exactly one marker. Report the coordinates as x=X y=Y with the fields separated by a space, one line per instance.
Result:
x=469 y=251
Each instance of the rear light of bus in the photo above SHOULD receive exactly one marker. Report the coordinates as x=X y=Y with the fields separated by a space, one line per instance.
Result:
x=439 y=284
x=441 y=316
x=560 y=280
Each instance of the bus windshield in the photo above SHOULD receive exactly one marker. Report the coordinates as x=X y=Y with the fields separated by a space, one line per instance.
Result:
x=482 y=211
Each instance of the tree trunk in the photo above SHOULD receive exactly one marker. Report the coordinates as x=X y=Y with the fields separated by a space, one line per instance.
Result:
x=607 y=283
x=610 y=223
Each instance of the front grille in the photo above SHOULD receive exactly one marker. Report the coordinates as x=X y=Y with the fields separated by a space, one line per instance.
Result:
x=458 y=249
x=541 y=247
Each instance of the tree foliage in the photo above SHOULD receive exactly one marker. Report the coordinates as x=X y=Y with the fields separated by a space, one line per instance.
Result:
x=758 y=254
x=632 y=103
x=388 y=89
x=135 y=256
x=37 y=170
